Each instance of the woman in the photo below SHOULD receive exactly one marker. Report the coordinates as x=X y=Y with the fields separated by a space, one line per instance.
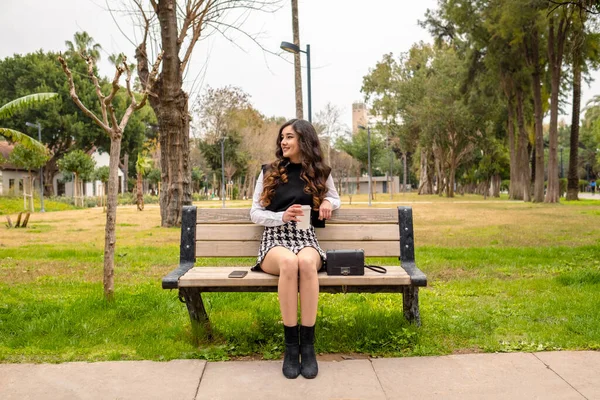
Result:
x=297 y=177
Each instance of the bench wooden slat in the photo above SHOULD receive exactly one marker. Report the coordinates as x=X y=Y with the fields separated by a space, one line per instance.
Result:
x=332 y=233
x=341 y=216
x=218 y=277
x=250 y=248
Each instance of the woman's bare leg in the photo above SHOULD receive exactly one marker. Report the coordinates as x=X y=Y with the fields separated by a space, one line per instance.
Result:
x=284 y=263
x=309 y=262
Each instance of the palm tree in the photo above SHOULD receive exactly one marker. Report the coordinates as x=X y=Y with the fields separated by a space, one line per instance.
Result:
x=84 y=45
x=21 y=103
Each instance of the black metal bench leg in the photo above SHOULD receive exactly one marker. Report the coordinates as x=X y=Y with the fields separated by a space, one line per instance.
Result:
x=198 y=316
x=410 y=300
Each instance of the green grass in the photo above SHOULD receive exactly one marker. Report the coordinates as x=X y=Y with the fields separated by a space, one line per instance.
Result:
x=486 y=293
x=477 y=300
x=14 y=205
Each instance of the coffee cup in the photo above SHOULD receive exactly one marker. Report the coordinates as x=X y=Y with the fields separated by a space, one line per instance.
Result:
x=304 y=220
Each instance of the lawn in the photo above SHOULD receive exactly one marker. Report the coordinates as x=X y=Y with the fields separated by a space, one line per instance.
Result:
x=503 y=276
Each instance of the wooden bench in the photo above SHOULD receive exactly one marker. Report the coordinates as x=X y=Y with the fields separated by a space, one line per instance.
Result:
x=230 y=233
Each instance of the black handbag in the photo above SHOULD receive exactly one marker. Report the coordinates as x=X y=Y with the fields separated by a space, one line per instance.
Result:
x=349 y=262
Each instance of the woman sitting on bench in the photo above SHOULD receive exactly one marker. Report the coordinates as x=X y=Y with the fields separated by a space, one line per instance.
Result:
x=297 y=177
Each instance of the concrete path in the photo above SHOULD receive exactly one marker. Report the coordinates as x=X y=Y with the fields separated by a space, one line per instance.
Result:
x=551 y=375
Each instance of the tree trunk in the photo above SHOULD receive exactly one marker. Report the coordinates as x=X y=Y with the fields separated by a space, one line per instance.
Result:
x=125 y=168
x=405 y=175
x=50 y=170
x=573 y=178
x=173 y=119
x=538 y=191
x=556 y=42
x=523 y=173
x=297 y=64
x=110 y=237
x=451 y=178
x=425 y=180
x=496 y=183
x=139 y=192
x=512 y=189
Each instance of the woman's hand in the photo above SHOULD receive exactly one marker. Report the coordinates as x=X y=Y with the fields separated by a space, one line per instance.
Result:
x=292 y=213
x=325 y=210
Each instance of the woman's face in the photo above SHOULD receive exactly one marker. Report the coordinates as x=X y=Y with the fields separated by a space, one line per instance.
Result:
x=290 y=145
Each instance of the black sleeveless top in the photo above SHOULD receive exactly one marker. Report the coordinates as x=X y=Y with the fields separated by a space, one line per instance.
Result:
x=292 y=192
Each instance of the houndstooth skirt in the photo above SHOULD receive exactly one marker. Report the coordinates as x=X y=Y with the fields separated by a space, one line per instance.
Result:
x=290 y=237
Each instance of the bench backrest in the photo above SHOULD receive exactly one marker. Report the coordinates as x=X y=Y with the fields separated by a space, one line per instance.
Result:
x=381 y=232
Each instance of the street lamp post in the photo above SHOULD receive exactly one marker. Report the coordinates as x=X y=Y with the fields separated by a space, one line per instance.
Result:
x=368 y=128
x=292 y=48
x=39 y=126
x=223 y=194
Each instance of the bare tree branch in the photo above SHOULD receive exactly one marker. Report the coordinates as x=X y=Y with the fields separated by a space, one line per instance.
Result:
x=196 y=31
x=76 y=99
x=90 y=64
x=582 y=5
x=133 y=106
x=115 y=86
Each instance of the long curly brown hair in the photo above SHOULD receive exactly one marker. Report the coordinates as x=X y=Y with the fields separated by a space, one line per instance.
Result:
x=314 y=171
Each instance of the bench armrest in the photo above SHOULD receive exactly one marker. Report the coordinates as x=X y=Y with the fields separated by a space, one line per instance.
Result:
x=171 y=281
x=417 y=277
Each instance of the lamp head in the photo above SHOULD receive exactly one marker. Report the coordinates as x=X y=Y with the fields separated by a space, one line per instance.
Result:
x=32 y=125
x=290 y=47
x=361 y=127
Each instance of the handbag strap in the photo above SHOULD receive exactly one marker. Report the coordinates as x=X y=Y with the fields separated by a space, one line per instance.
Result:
x=376 y=268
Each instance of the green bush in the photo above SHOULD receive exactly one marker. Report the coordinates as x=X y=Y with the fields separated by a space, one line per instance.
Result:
x=199 y=197
x=505 y=185
x=149 y=199
x=125 y=199
x=562 y=187
x=583 y=184
x=90 y=202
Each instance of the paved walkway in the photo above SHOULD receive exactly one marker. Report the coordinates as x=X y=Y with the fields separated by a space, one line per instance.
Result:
x=549 y=375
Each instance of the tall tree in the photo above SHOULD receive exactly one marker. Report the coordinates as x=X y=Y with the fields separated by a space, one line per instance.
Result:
x=114 y=129
x=559 y=24
x=181 y=25
x=81 y=165
x=84 y=45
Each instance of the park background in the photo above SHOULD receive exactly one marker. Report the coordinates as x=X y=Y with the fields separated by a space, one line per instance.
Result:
x=467 y=121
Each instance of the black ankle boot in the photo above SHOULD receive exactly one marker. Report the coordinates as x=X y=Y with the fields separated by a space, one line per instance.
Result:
x=309 y=368
x=291 y=359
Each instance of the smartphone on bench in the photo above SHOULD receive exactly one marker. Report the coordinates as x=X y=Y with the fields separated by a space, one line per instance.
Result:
x=238 y=274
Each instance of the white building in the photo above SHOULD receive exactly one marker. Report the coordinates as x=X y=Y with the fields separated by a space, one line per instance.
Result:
x=381 y=184
x=14 y=179
x=64 y=187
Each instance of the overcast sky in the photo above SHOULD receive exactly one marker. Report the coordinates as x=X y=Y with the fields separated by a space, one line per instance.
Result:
x=347 y=38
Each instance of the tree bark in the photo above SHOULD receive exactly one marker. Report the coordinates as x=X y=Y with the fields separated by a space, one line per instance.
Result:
x=139 y=189
x=405 y=174
x=297 y=63
x=523 y=173
x=556 y=44
x=538 y=191
x=173 y=118
x=125 y=169
x=426 y=176
x=110 y=238
x=573 y=178
x=510 y=127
